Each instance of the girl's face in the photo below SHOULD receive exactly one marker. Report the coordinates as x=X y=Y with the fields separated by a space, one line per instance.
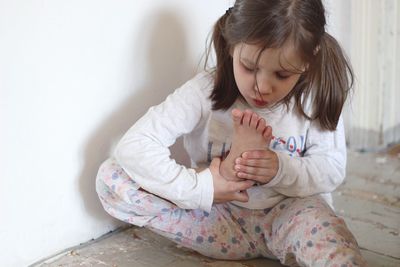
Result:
x=266 y=83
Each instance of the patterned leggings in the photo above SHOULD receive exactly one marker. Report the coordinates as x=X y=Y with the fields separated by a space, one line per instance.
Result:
x=297 y=231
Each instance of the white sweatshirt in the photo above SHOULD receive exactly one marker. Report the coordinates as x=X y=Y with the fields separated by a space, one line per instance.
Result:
x=311 y=160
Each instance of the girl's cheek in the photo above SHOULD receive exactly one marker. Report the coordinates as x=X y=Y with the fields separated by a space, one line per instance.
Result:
x=250 y=78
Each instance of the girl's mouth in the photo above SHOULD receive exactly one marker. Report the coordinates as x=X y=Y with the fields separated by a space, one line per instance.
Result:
x=260 y=103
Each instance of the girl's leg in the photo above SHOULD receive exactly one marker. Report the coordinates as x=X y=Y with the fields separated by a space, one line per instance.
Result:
x=123 y=199
x=227 y=232
x=307 y=232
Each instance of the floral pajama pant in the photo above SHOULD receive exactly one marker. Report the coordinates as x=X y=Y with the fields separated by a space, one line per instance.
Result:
x=297 y=231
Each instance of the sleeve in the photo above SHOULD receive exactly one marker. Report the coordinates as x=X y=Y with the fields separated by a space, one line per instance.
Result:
x=321 y=169
x=143 y=152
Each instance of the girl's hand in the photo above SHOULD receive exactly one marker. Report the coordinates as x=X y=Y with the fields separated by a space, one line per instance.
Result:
x=225 y=190
x=258 y=165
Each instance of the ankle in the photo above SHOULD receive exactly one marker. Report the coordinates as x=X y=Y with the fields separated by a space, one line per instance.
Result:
x=227 y=171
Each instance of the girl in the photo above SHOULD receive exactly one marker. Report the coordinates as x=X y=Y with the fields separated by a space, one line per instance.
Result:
x=276 y=69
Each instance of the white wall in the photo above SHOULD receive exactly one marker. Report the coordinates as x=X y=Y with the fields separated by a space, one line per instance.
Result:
x=74 y=75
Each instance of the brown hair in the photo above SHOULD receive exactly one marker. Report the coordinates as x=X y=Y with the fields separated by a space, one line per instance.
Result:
x=270 y=24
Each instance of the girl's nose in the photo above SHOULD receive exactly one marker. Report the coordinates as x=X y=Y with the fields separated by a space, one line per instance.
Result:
x=263 y=86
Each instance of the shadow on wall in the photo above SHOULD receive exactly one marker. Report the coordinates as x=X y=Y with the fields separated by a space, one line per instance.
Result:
x=162 y=44
x=370 y=140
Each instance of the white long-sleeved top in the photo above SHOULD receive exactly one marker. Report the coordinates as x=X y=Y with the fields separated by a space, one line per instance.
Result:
x=311 y=160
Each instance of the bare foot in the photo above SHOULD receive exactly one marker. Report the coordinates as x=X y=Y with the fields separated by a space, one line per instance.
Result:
x=250 y=133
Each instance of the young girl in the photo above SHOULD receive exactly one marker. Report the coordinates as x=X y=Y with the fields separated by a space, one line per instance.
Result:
x=274 y=100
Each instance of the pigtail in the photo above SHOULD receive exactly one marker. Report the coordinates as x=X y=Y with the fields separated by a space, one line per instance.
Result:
x=225 y=90
x=331 y=81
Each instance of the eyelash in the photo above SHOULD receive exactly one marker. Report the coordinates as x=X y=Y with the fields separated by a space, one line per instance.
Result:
x=279 y=76
x=248 y=69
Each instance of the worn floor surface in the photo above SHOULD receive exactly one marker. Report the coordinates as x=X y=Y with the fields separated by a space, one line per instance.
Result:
x=369 y=201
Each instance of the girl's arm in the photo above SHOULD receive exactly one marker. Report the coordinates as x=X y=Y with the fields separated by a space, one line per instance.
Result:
x=144 y=153
x=321 y=169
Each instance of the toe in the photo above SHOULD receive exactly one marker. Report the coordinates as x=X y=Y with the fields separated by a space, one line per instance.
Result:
x=261 y=125
x=268 y=133
x=247 y=117
x=254 y=120
x=237 y=116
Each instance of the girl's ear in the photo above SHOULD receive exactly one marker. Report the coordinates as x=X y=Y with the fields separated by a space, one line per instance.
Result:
x=316 y=50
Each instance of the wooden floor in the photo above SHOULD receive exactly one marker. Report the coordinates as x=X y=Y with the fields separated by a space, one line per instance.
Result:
x=369 y=201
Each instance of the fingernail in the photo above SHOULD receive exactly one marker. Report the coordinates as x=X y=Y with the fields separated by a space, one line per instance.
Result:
x=238 y=161
x=237 y=167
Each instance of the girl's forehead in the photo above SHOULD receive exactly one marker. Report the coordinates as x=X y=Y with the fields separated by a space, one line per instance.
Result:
x=286 y=56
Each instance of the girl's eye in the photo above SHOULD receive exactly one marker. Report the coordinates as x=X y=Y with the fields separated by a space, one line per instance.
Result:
x=280 y=76
x=249 y=69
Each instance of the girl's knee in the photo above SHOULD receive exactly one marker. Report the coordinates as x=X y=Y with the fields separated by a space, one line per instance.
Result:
x=108 y=167
x=308 y=223
x=305 y=212
x=314 y=218
x=113 y=175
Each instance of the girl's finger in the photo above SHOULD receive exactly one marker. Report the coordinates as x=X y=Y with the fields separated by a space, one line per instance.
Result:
x=259 y=171
x=261 y=179
x=261 y=163
x=241 y=196
x=256 y=154
x=241 y=186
